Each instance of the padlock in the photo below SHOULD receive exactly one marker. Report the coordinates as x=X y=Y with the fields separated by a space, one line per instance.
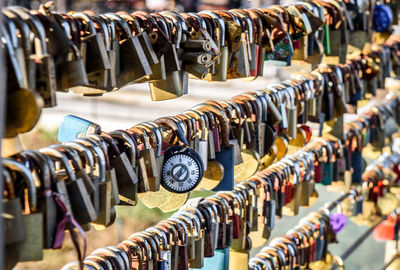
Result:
x=150 y=168
x=82 y=207
x=169 y=88
x=96 y=58
x=125 y=174
x=14 y=230
x=239 y=59
x=20 y=118
x=44 y=71
x=221 y=65
x=31 y=248
x=110 y=173
x=202 y=145
x=104 y=187
x=133 y=62
x=46 y=201
x=109 y=28
x=15 y=48
x=72 y=72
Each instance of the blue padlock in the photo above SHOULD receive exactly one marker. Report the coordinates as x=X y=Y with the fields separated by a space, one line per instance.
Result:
x=382 y=17
x=225 y=251
x=327 y=174
x=220 y=260
x=355 y=97
x=74 y=127
x=225 y=157
x=282 y=54
x=357 y=164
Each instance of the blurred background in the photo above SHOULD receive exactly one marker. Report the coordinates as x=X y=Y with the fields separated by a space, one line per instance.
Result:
x=131 y=105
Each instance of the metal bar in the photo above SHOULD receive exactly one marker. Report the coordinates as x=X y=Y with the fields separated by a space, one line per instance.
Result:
x=357 y=243
x=391 y=261
x=332 y=205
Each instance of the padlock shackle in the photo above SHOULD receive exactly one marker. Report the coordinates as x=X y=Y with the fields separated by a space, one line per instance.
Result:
x=28 y=180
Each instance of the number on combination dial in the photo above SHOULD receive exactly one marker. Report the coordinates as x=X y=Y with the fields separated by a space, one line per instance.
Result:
x=180 y=173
